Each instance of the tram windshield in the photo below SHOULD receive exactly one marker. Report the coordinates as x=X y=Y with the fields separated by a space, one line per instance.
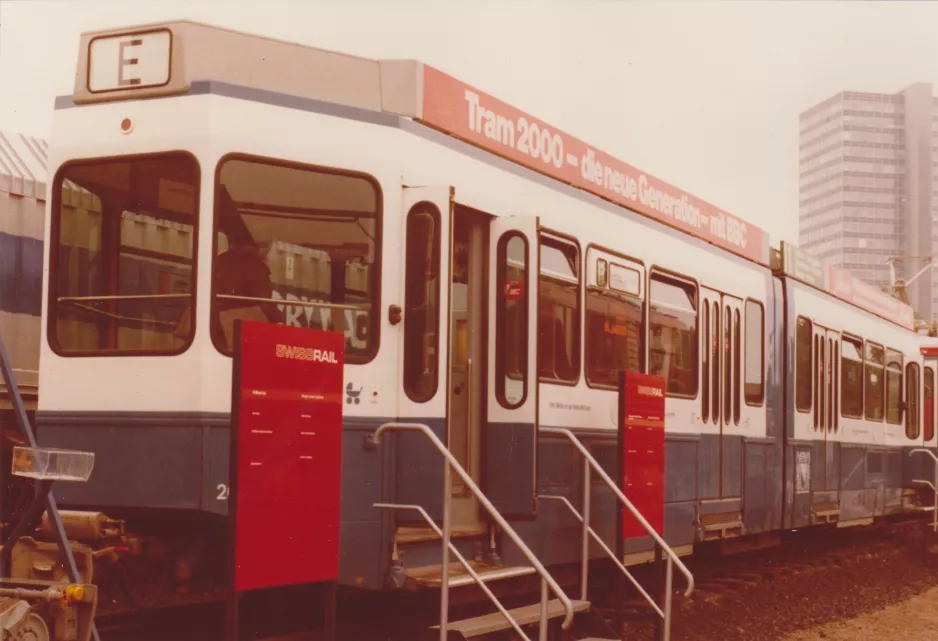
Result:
x=122 y=259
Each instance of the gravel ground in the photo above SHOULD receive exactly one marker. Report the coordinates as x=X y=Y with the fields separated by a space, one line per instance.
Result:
x=916 y=618
x=872 y=597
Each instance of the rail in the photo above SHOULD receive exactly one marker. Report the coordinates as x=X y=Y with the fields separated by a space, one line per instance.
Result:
x=547 y=581
x=933 y=486
x=591 y=465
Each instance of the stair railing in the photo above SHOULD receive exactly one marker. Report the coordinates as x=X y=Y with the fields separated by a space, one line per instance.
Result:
x=592 y=465
x=933 y=486
x=548 y=584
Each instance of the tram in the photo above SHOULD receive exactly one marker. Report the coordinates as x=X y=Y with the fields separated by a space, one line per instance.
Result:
x=492 y=276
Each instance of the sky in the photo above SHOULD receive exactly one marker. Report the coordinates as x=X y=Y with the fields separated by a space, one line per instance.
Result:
x=705 y=95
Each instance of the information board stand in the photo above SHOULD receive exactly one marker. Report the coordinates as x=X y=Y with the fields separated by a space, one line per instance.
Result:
x=641 y=467
x=286 y=462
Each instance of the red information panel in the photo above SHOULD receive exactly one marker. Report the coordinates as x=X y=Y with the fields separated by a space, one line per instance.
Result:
x=287 y=441
x=642 y=441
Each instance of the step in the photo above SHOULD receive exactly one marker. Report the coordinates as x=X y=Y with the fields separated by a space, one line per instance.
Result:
x=489 y=623
x=410 y=534
x=431 y=576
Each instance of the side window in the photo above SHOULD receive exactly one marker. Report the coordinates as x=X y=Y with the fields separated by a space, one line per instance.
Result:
x=421 y=303
x=912 y=426
x=613 y=336
x=851 y=377
x=296 y=245
x=736 y=363
x=893 y=387
x=727 y=364
x=874 y=388
x=804 y=334
x=559 y=312
x=755 y=353
x=672 y=334
x=929 y=404
x=705 y=355
x=715 y=358
x=511 y=316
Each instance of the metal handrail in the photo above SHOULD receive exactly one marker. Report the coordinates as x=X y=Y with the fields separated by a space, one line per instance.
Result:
x=546 y=578
x=934 y=486
x=593 y=463
x=463 y=561
x=602 y=544
x=292 y=303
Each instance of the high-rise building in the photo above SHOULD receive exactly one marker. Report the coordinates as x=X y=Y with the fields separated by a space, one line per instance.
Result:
x=869 y=187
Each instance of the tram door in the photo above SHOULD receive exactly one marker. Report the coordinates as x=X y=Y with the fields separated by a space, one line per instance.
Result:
x=492 y=427
x=466 y=356
x=723 y=385
x=826 y=407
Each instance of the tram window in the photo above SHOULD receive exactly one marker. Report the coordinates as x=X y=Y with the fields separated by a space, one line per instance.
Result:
x=715 y=358
x=559 y=312
x=672 y=334
x=874 y=389
x=755 y=350
x=929 y=404
x=804 y=335
x=893 y=387
x=727 y=364
x=912 y=426
x=422 y=303
x=613 y=336
x=736 y=363
x=705 y=355
x=123 y=255
x=296 y=234
x=511 y=335
x=851 y=377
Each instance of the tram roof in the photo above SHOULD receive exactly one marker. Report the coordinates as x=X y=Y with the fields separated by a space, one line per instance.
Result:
x=167 y=58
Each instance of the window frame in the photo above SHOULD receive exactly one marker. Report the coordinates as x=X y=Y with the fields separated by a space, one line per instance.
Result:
x=882 y=385
x=580 y=350
x=852 y=338
x=705 y=361
x=641 y=299
x=913 y=419
x=422 y=207
x=686 y=280
x=55 y=228
x=762 y=358
x=375 y=326
x=928 y=425
x=901 y=399
x=810 y=366
x=500 y=268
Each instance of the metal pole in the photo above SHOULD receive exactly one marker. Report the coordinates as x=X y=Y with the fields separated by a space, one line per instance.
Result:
x=542 y=632
x=447 y=531
x=668 y=581
x=659 y=627
x=584 y=577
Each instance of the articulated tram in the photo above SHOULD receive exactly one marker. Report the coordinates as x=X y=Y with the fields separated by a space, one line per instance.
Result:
x=492 y=276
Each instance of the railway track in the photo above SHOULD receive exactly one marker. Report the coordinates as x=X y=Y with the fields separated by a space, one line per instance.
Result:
x=719 y=578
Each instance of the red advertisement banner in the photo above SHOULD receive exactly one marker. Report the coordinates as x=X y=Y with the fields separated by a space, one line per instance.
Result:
x=848 y=287
x=485 y=121
x=287 y=446
x=642 y=441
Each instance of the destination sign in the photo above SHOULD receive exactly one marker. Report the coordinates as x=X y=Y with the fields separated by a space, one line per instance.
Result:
x=485 y=121
x=798 y=264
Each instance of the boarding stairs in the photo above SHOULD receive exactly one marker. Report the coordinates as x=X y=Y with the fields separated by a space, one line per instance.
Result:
x=577 y=618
